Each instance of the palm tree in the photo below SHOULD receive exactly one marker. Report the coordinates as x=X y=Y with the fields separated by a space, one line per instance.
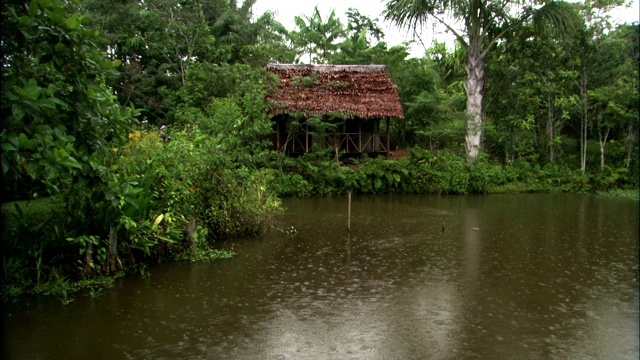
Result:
x=477 y=25
x=319 y=33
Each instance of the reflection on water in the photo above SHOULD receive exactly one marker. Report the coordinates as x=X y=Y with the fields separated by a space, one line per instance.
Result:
x=510 y=277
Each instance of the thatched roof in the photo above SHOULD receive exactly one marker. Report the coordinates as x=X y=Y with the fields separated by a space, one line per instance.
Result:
x=363 y=91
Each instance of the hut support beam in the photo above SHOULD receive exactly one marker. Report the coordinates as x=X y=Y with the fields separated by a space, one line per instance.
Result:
x=278 y=135
x=336 y=147
x=388 y=137
x=360 y=136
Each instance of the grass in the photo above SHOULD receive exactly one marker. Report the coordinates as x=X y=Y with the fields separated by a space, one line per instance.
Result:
x=34 y=210
x=26 y=220
x=32 y=206
x=510 y=188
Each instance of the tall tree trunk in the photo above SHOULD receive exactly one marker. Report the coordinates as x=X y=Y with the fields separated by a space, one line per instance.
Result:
x=602 y=139
x=550 y=128
x=629 y=142
x=585 y=121
x=474 y=89
x=603 y=143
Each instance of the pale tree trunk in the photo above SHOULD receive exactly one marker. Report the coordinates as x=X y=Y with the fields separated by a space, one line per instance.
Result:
x=603 y=143
x=474 y=89
x=602 y=139
x=585 y=121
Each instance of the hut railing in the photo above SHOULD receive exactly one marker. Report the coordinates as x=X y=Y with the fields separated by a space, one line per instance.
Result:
x=348 y=142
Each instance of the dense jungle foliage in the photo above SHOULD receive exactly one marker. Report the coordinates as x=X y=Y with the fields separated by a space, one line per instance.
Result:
x=136 y=131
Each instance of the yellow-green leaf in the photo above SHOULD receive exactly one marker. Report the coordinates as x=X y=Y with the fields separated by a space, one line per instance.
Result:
x=157 y=222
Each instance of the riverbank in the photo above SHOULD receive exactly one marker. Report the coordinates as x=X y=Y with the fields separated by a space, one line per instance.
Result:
x=442 y=173
x=633 y=194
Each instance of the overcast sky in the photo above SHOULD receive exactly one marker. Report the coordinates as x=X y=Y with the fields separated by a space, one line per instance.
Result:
x=286 y=10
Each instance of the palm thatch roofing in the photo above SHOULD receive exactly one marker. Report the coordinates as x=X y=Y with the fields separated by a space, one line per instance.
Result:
x=363 y=91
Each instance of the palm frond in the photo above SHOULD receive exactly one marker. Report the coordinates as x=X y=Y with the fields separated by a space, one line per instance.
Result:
x=557 y=17
x=409 y=13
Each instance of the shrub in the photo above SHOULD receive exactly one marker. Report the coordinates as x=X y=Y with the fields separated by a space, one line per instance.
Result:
x=291 y=185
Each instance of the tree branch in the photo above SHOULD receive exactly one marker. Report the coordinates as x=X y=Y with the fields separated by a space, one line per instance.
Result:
x=455 y=33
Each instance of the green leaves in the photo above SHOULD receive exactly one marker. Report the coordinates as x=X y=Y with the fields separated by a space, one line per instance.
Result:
x=69 y=162
x=25 y=143
x=25 y=20
x=59 y=107
x=73 y=22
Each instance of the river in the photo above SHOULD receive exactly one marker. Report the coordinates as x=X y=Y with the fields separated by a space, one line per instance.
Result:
x=527 y=276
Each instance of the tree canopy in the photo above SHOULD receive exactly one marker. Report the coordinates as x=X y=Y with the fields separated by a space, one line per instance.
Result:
x=483 y=23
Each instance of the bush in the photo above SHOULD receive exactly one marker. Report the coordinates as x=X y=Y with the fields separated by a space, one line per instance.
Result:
x=610 y=178
x=427 y=172
x=32 y=242
x=291 y=185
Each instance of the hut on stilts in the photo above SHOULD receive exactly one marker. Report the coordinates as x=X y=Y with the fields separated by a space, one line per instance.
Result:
x=352 y=101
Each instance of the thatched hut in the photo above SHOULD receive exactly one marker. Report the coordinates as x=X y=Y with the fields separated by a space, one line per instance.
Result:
x=355 y=98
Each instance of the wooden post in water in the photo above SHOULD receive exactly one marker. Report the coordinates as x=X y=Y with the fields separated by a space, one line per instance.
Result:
x=86 y=267
x=349 y=213
x=349 y=247
x=113 y=244
x=191 y=229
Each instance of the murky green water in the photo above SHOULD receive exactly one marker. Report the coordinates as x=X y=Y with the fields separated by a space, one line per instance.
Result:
x=510 y=277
